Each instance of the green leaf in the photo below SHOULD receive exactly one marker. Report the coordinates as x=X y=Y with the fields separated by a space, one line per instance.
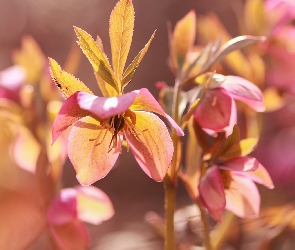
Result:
x=129 y=72
x=121 y=32
x=97 y=58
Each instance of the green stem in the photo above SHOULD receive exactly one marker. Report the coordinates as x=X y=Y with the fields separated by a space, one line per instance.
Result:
x=169 y=213
x=205 y=226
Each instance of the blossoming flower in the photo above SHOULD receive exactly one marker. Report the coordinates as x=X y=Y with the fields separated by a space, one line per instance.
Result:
x=216 y=110
x=99 y=123
x=72 y=207
x=229 y=179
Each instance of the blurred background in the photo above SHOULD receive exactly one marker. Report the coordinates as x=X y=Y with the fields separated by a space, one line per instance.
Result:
x=51 y=23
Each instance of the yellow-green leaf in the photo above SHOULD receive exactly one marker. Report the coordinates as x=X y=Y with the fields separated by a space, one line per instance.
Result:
x=129 y=72
x=96 y=57
x=67 y=83
x=243 y=148
x=121 y=31
x=255 y=16
x=184 y=37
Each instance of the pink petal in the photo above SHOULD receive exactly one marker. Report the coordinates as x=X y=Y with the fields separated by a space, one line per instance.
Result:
x=104 y=107
x=73 y=235
x=242 y=198
x=280 y=71
x=261 y=176
x=233 y=119
x=241 y=164
x=93 y=205
x=63 y=209
x=211 y=190
x=245 y=91
x=69 y=113
x=151 y=144
x=13 y=78
x=146 y=102
x=214 y=110
x=88 y=146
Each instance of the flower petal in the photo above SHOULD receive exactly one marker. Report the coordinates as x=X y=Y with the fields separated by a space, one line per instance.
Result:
x=233 y=119
x=88 y=146
x=245 y=91
x=151 y=144
x=93 y=205
x=261 y=176
x=63 y=209
x=73 y=235
x=214 y=110
x=69 y=113
x=146 y=102
x=104 y=107
x=242 y=198
x=241 y=164
x=211 y=190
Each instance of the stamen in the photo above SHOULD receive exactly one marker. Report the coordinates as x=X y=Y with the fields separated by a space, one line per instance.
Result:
x=226 y=178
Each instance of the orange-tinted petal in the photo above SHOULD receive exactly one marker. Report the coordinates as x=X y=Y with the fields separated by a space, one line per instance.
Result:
x=145 y=101
x=69 y=113
x=242 y=198
x=88 y=148
x=151 y=144
x=93 y=205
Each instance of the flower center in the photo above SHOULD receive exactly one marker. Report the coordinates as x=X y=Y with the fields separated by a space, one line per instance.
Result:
x=226 y=178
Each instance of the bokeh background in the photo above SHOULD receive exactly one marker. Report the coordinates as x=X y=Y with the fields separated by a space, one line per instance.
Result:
x=51 y=23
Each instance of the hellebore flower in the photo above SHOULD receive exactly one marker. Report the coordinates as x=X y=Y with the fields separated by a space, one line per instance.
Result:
x=99 y=123
x=216 y=111
x=72 y=207
x=228 y=182
x=94 y=142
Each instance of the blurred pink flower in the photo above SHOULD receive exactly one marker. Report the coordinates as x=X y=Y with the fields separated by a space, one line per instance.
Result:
x=216 y=110
x=70 y=209
x=11 y=81
x=230 y=185
x=94 y=143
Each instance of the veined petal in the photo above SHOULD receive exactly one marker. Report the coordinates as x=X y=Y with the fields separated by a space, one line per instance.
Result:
x=211 y=190
x=245 y=91
x=261 y=176
x=93 y=205
x=242 y=198
x=214 y=110
x=145 y=101
x=241 y=164
x=151 y=144
x=88 y=146
x=69 y=113
x=104 y=107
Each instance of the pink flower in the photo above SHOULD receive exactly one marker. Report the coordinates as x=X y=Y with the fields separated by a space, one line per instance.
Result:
x=99 y=124
x=230 y=185
x=216 y=110
x=11 y=81
x=70 y=208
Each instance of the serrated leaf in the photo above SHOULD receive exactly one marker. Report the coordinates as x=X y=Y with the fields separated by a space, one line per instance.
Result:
x=67 y=83
x=184 y=36
x=97 y=58
x=130 y=71
x=121 y=32
x=243 y=148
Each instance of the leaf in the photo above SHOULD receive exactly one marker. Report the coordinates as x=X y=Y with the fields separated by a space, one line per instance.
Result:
x=231 y=140
x=67 y=83
x=243 y=148
x=121 y=31
x=235 y=44
x=184 y=36
x=31 y=58
x=129 y=72
x=96 y=57
x=255 y=16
